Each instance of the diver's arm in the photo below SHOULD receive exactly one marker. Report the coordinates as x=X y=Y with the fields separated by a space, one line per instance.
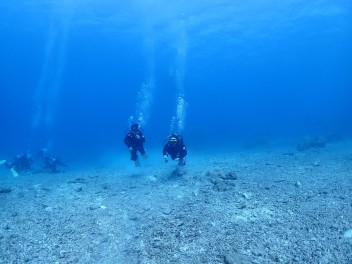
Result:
x=142 y=137
x=128 y=140
x=165 y=150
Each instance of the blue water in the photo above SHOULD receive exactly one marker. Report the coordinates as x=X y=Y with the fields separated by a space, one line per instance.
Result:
x=75 y=73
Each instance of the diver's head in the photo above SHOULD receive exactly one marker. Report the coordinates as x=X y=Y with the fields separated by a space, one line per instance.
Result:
x=134 y=127
x=173 y=141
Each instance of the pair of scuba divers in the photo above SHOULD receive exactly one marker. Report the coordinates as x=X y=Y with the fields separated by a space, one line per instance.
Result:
x=174 y=146
x=23 y=163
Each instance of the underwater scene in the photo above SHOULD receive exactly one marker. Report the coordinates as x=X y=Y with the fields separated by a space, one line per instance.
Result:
x=176 y=131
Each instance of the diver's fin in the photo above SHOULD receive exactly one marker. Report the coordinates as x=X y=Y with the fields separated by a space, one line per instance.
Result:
x=14 y=173
x=137 y=163
x=2 y=162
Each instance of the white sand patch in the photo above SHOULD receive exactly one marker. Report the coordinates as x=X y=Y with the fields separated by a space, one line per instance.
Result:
x=151 y=178
x=348 y=234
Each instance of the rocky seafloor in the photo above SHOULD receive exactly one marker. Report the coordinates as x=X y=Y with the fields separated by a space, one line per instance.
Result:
x=255 y=206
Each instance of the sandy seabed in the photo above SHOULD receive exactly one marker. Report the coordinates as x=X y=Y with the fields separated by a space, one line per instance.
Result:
x=272 y=205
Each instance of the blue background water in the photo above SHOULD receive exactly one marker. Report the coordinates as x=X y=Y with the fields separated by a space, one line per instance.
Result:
x=71 y=72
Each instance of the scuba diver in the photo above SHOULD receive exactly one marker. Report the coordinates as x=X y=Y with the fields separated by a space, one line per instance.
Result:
x=134 y=141
x=50 y=163
x=176 y=149
x=21 y=163
x=8 y=166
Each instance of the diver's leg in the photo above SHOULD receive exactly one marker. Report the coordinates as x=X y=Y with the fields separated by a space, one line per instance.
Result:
x=173 y=156
x=182 y=161
x=135 y=158
x=134 y=155
x=141 y=149
x=137 y=163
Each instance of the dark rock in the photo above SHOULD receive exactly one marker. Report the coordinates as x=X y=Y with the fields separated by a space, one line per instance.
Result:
x=105 y=186
x=275 y=257
x=77 y=180
x=14 y=214
x=229 y=176
x=5 y=190
x=218 y=174
x=241 y=206
x=134 y=218
x=222 y=186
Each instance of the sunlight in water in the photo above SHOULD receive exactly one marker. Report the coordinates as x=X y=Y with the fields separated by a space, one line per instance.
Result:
x=46 y=95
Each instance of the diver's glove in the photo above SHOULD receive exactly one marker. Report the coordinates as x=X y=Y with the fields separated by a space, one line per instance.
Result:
x=130 y=148
x=165 y=158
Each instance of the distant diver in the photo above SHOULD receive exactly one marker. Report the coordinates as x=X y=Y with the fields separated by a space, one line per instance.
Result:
x=7 y=165
x=50 y=163
x=20 y=163
x=176 y=149
x=134 y=141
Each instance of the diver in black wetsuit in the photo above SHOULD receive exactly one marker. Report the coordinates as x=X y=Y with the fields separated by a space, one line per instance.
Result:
x=176 y=149
x=134 y=141
x=50 y=163
x=22 y=162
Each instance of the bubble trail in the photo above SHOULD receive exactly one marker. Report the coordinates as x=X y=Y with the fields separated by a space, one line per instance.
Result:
x=46 y=95
x=178 y=120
